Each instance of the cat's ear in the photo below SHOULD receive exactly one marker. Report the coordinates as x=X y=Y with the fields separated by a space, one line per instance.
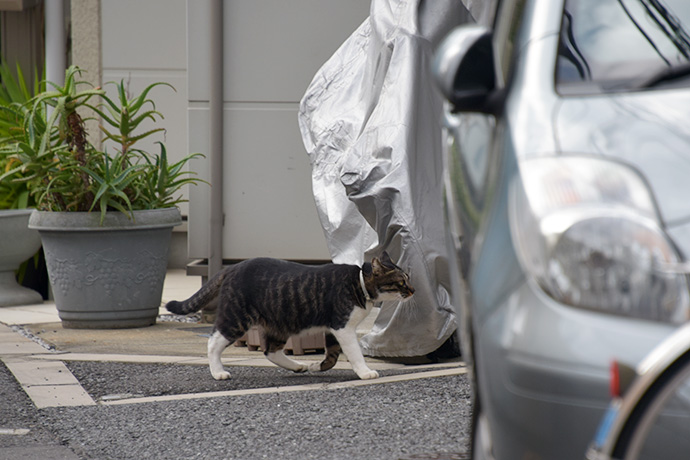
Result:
x=367 y=270
x=386 y=259
x=377 y=266
x=384 y=263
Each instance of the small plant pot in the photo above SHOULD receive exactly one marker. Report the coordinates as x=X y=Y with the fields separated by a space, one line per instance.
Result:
x=106 y=276
x=17 y=244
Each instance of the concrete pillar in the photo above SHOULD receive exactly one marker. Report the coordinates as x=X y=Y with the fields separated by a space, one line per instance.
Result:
x=86 y=50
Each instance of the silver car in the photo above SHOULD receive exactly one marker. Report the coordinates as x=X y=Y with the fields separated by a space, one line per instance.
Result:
x=568 y=198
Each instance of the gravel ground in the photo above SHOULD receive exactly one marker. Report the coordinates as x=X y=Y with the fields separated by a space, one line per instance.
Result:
x=374 y=422
x=17 y=412
x=408 y=419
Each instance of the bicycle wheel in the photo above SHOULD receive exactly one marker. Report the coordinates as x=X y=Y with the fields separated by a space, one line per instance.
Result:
x=659 y=425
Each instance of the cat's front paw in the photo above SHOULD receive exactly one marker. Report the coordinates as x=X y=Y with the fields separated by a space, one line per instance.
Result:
x=369 y=374
x=224 y=375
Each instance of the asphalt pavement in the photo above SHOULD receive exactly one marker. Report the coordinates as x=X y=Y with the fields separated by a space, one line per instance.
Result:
x=147 y=393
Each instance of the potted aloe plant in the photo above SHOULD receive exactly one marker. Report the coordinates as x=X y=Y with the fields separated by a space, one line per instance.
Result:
x=19 y=246
x=105 y=216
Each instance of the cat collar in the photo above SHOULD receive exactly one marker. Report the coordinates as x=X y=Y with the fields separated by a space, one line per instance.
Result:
x=364 y=287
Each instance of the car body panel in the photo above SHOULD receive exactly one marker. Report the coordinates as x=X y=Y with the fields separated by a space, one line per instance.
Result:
x=648 y=130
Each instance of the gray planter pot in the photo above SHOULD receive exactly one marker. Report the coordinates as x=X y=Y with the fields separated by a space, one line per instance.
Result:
x=106 y=276
x=17 y=244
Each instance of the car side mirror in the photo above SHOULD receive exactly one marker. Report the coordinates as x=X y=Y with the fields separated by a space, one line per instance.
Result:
x=464 y=70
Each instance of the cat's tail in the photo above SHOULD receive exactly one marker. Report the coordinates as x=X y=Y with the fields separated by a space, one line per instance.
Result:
x=200 y=299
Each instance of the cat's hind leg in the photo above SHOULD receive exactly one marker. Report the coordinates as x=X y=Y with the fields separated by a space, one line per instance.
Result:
x=216 y=344
x=332 y=353
x=275 y=354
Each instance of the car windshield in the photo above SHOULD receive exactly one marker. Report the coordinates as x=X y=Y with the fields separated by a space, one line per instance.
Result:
x=623 y=45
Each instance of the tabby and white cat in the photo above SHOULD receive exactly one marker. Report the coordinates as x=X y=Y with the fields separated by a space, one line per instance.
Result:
x=288 y=298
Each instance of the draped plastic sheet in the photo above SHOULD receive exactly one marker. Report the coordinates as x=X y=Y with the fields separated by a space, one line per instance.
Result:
x=370 y=121
x=482 y=11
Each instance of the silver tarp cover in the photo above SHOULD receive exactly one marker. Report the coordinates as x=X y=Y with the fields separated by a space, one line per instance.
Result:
x=482 y=11
x=370 y=122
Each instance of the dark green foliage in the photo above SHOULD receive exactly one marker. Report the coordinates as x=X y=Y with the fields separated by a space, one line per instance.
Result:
x=47 y=150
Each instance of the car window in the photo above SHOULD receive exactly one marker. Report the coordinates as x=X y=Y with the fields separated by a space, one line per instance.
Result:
x=506 y=34
x=622 y=45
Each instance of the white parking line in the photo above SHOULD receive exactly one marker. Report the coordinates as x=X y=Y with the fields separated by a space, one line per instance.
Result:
x=14 y=431
x=293 y=388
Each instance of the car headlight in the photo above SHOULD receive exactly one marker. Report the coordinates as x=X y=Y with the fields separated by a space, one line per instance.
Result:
x=588 y=232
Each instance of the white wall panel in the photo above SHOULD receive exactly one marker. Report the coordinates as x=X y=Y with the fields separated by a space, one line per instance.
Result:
x=144 y=34
x=268 y=201
x=272 y=49
x=144 y=42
